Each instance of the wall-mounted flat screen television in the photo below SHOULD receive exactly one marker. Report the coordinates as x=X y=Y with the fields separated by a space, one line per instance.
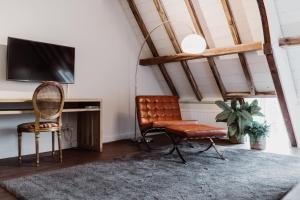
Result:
x=37 y=61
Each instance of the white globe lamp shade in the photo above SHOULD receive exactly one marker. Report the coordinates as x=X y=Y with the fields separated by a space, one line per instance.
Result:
x=193 y=44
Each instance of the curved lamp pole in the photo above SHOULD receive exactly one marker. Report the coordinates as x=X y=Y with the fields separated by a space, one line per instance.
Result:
x=192 y=43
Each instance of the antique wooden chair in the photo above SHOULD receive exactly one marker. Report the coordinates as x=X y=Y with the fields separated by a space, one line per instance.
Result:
x=48 y=103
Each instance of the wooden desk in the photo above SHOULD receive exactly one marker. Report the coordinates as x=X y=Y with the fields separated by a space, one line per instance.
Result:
x=89 y=134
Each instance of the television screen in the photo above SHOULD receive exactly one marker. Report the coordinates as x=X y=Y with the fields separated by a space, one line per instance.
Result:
x=37 y=61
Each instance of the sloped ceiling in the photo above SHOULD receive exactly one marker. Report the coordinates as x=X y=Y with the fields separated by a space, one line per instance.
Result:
x=289 y=18
x=216 y=30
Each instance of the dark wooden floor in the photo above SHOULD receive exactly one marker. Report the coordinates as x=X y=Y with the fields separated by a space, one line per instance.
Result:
x=9 y=168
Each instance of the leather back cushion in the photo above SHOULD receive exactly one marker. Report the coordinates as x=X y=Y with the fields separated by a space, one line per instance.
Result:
x=157 y=108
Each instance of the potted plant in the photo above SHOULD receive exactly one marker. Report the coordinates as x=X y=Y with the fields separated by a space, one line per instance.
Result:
x=238 y=117
x=257 y=133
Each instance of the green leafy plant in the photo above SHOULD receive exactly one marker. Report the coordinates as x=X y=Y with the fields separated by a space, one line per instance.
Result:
x=257 y=130
x=237 y=116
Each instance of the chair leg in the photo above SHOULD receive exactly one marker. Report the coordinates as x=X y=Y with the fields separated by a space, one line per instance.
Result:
x=175 y=147
x=180 y=155
x=59 y=146
x=171 y=151
x=37 y=153
x=145 y=142
x=210 y=146
x=214 y=146
x=20 y=148
x=53 y=143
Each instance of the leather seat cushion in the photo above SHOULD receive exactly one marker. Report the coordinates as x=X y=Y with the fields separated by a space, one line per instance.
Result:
x=43 y=125
x=196 y=131
x=163 y=124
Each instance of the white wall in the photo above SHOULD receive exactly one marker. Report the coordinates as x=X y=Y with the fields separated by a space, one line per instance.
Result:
x=106 y=51
x=204 y=113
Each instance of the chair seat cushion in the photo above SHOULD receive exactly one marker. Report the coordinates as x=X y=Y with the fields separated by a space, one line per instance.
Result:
x=44 y=126
x=164 y=124
x=196 y=131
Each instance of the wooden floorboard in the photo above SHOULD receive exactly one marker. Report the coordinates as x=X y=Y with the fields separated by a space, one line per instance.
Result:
x=4 y=195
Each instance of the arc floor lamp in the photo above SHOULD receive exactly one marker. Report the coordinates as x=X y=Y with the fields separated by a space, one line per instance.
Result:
x=192 y=44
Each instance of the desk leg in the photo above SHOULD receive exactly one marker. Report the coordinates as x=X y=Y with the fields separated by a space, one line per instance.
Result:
x=20 y=147
x=88 y=131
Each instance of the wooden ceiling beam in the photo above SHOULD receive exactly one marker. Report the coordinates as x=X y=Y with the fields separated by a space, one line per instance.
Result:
x=275 y=75
x=211 y=61
x=241 y=48
x=289 y=41
x=152 y=48
x=236 y=95
x=164 y=18
x=237 y=40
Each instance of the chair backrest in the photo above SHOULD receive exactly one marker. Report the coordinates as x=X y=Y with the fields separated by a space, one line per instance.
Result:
x=48 y=100
x=157 y=108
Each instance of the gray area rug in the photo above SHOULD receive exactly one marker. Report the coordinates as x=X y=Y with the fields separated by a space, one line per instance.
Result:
x=246 y=175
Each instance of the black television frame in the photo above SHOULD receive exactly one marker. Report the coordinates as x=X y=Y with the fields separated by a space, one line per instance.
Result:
x=31 y=80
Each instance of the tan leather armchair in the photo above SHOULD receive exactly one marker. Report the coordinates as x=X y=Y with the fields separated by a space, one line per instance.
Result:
x=155 y=113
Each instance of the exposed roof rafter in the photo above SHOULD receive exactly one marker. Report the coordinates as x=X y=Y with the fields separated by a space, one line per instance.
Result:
x=275 y=74
x=164 y=18
x=237 y=40
x=211 y=61
x=236 y=95
x=241 y=48
x=289 y=41
x=150 y=43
